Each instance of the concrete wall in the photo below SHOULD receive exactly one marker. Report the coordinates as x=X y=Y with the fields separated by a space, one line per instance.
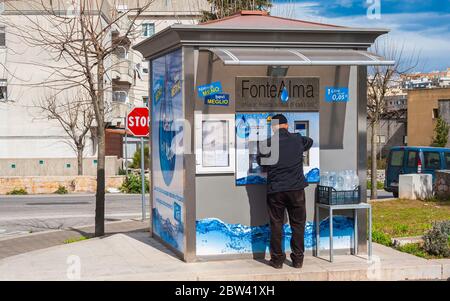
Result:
x=55 y=167
x=420 y=114
x=444 y=111
x=394 y=132
x=39 y=185
x=218 y=196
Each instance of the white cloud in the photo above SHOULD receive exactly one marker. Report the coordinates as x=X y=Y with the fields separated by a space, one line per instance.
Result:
x=414 y=31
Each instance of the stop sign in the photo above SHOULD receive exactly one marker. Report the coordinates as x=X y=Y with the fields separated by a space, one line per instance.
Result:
x=138 y=122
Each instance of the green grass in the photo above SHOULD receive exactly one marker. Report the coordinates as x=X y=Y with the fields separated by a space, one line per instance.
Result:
x=75 y=239
x=415 y=249
x=380 y=185
x=403 y=218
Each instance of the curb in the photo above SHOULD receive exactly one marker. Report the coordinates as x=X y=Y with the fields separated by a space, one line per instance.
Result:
x=68 y=229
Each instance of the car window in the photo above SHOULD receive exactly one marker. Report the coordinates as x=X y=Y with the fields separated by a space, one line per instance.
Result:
x=447 y=160
x=396 y=158
x=432 y=160
x=412 y=159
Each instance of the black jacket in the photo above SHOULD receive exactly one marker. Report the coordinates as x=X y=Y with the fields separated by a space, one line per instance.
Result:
x=287 y=173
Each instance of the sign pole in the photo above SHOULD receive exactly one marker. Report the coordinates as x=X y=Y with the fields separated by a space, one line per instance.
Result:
x=126 y=146
x=142 y=178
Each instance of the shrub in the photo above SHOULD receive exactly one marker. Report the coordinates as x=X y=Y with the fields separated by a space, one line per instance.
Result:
x=381 y=238
x=137 y=158
x=436 y=240
x=380 y=185
x=132 y=184
x=61 y=190
x=17 y=191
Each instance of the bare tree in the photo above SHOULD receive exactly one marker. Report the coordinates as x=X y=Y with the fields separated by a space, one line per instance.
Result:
x=80 y=36
x=75 y=115
x=380 y=79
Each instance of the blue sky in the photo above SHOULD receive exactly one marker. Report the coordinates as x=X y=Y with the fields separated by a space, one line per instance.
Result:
x=422 y=26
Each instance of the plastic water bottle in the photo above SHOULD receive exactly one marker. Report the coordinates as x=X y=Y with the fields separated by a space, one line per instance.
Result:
x=340 y=181
x=355 y=180
x=332 y=179
x=324 y=179
x=348 y=180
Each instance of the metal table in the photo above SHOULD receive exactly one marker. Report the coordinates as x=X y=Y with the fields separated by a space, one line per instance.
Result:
x=355 y=208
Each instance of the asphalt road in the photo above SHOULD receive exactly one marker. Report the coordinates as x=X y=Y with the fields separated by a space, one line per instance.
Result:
x=26 y=214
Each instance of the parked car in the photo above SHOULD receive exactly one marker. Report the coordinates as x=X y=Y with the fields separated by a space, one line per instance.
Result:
x=414 y=159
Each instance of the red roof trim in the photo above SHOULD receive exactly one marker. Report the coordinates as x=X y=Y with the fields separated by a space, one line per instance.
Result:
x=266 y=14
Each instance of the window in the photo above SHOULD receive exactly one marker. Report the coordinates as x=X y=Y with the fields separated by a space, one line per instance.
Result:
x=2 y=36
x=432 y=160
x=302 y=127
x=412 y=159
x=3 y=90
x=435 y=113
x=397 y=158
x=447 y=160
x=121 y=52
x=214 y=143
x=145 y=100
x=381 y=139
x=405 y=140
x=148 y=29
x=122 y=8
x=120 y=96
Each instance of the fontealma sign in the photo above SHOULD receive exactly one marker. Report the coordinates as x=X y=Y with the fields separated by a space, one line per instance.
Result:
x=138 y=122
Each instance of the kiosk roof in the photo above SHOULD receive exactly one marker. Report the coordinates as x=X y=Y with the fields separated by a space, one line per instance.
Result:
x=258 y=29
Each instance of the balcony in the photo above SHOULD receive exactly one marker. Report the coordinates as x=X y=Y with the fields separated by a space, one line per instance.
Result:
x=122 y=70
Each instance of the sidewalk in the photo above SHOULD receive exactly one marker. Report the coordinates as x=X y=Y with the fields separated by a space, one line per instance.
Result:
x=41 y=240
x=135 y=256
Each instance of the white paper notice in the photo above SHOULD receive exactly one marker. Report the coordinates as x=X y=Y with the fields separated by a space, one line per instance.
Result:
x=215 y=143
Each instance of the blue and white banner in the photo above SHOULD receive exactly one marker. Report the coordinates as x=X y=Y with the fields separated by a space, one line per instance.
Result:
x=336 y=94
x=167 y=150
x=209 y=89
x=217 y=100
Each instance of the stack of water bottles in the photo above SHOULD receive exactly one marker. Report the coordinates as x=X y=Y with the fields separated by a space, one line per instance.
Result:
x=339 y=187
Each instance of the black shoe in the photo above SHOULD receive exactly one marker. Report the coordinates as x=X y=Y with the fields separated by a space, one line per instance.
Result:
x=298 y=264
x=276 y=265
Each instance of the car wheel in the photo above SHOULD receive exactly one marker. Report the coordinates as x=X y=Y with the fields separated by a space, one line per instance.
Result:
x=395 y=193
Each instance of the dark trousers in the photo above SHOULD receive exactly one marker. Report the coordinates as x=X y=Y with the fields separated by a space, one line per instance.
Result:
x=294 y=202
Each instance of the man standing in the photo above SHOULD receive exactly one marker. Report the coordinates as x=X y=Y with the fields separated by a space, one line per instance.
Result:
x=285 y=189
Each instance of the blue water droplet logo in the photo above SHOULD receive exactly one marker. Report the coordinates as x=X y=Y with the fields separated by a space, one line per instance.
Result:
x=284 y=95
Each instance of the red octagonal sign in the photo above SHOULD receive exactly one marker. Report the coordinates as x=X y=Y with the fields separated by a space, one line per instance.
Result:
x=138 y=122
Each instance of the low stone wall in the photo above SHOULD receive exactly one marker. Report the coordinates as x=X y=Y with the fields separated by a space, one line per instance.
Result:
x=45 y=185
x=442 y=184
x=58 y=167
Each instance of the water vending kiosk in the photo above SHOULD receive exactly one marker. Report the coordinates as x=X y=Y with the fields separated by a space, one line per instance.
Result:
x=214 y=87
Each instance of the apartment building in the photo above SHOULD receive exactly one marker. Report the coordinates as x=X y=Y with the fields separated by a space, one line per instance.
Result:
x=424 y=107
x=421 y=80
x=25 y=132
x=130 y=81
